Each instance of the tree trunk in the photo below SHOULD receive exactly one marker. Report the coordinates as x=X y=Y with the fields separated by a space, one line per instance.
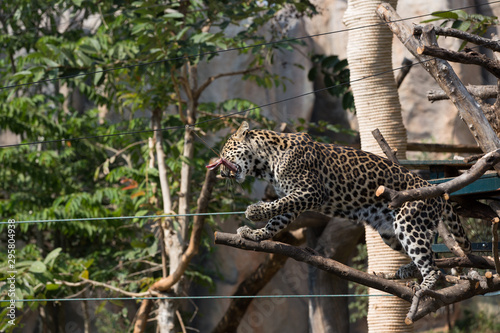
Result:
x=166 y=308
x=369 y=52
x=337 y=241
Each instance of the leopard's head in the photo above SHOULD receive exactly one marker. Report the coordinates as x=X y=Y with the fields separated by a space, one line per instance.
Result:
x=237 y=152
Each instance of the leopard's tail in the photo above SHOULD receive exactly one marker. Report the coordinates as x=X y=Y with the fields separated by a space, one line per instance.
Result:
x=455 y=226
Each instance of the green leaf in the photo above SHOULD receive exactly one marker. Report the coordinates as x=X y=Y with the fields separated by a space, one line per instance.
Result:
x=52 y=286
x=446 y=14
x=330 y=61
x=38 y=267
x=201 y=37
x=20 y=75
x=89 y=49
x=173 y=14
x=98 y=75
x=85 y=274
x=138 y=244
x=461 y=25
x=51 y=257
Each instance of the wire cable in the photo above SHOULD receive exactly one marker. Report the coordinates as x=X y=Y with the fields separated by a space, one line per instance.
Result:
x=120 y=217
x=208 y=120
x=194 y=297
x=214 y=297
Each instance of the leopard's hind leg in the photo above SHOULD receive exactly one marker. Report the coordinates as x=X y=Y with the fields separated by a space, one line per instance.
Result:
x=414 y=227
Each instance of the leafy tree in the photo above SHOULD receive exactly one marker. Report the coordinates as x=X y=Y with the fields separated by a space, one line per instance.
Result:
x=132 y=64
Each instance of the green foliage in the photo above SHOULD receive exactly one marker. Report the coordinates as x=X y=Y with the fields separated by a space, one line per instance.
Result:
x=139 y=55
x=477 y=322
x=335 y=75
x=476 y=24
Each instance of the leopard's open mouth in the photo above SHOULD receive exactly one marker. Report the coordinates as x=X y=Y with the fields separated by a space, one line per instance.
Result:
x=230 y=169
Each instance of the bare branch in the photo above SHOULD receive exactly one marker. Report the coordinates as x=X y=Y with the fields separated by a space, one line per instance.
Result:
x=320 y=262
x=406 y=67
x=397 y=199
x=103 y=285
x=467 y=57
x=118 y=152
x=471 y=261
x=483 y=92
x=460 y=291
x=388 y=151
x=160 y=156
x=475 y=39
x=211 y=79
x=449 y=240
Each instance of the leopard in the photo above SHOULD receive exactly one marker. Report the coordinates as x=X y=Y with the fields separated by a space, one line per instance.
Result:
x=338 y=181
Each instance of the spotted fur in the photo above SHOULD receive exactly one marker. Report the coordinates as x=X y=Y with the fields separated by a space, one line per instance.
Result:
x=338 y=181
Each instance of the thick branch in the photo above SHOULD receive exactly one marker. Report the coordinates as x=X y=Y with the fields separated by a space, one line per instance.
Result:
x=328 y=265
x=467 y=57
x=475 y=39
x=397 y=199
x=471 y=261
x=449 y=240
x=460 y=291
x=457 y=293
x=483 y=92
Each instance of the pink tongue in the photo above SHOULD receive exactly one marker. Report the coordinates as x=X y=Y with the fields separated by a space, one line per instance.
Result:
x=214 y=165
x=220 y=161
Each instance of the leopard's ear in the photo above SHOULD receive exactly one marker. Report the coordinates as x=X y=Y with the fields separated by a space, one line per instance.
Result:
x=242 y=131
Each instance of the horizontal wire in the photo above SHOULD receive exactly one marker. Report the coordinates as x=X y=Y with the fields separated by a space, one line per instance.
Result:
x=212 y=119
x=120 y=217
x=236 y=48
x=214 y=297
x=193 y=297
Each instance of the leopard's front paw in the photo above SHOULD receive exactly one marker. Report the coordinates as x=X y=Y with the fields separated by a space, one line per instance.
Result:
x=256 y=212
x=255 y=235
